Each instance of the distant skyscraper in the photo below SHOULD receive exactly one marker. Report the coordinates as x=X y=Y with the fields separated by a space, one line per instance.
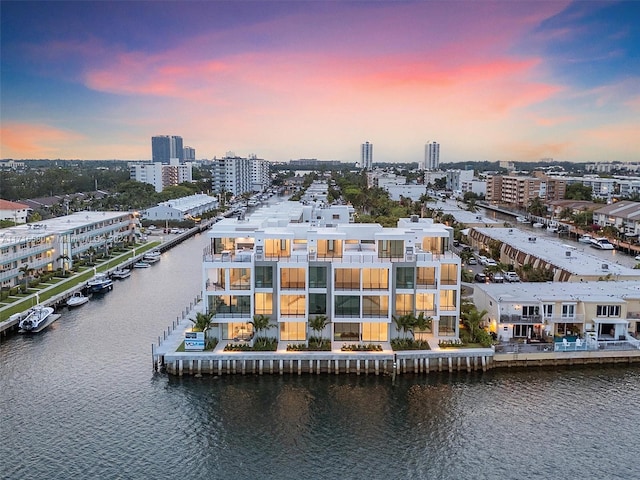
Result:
x=366 y=156
x=189 y=154
x=432 y=156
x=166 y=147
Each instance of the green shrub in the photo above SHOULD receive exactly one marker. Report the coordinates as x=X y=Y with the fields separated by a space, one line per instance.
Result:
x=409 y=344
x=371 y=347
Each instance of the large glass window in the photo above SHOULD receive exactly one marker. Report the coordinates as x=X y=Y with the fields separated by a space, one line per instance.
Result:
x=375 y=279
x=263 y=304
x=447 y=325
x=216 y=279
x=448 y=274
x=290 y=331
x=347 y=306
x=318 y=277
x=568 y=311
x=347 y=279
x=405 y=277
x=318 y=303
x=608 y=310
x=390 y=248
x=329 y=248
x=230 y=305
x=547 y=308
x=240 y=279
x=277 y=247
x=426 y=303
x=293 y=278
x=237 y=331
x=375 y=332
x=433 y=244
x=426 y=277
x=293 y=305
x=223 y=244
x=448 y=300
x=346 y=332
x=404 y=303
x=375 y=306
x=264 y=277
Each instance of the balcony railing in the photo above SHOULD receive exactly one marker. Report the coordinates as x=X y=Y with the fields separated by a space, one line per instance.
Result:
x=514 y=318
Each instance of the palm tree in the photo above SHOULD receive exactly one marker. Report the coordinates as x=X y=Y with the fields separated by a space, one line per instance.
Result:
x=260 y=323
x=26 y=270
x=472 y=319
x=318 y=324
x=537 y=207
x=64 y=257
x=202 y=321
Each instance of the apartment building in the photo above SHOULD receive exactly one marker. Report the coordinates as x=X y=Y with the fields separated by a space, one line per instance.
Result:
x=57 y=242
x=357 y=275
x=623 y=216
x=189 y=207
x=518 y=192
x=239 y=175
x=160 y=175
x=517 y=311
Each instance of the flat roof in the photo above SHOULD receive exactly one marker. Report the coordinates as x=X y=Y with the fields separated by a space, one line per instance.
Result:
x=578 y=262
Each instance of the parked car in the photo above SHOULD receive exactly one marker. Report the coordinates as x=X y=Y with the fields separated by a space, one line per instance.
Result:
x=480 y=278
x=496 y=277
x=482 y=259
x=511 y=277
x=472 y=261
x=490 y=262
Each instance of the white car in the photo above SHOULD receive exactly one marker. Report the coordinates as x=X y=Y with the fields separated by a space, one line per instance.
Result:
x=490 y=262
x=482 y=259
x=511 y=276
x=637 y=258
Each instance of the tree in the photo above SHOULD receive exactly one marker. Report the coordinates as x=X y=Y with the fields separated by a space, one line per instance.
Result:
x=26 y=270
x=578 y=191
x=409 y=323
x=318 y=324
x=260 y=323
x=471 y=319
x=64 y=257
x=537 y=207
x=202 y=321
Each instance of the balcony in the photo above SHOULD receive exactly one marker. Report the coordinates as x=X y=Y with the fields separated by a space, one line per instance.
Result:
x=514 y=318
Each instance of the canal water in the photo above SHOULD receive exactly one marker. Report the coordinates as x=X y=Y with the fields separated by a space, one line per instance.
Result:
x=81 y=400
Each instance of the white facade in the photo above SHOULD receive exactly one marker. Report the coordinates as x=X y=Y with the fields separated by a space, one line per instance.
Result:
x=456 y=177
x=414 y=192
x=161 y=175
x=358 y=275
x=239 y=175
x=192 y=206
x=479 y=187
x=432 y=156
x=47 y=245
x=16 y=212
x=366 y=156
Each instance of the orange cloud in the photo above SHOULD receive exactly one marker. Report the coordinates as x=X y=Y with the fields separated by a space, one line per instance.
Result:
x=21 y=140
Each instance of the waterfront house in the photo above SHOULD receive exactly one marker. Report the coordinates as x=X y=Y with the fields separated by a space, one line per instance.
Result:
x=292 y=262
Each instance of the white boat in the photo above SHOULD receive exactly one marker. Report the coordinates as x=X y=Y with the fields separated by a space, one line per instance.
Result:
x=121 y=273
x=37 y=319
x=100 y=283
x=152 y=257
x=538 y=225
x=141 y=265
x=77 y=299
x=522 y=220
x=601 y=243
x=552 y=228
x=586 y=238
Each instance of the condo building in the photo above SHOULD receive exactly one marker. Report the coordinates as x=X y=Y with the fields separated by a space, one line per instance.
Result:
x=366 y=156
x=432 y=156
x=294 y=262
x=58 y=242
x=161 y=175
x=239 y=175
x=166 y=147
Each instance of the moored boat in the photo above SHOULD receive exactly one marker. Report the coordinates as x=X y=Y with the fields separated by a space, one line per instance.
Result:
x=538 y=225
x=100 y=283
x=121 y=273
x=602 y=243
x=141 y=265
x=522 y=220
x=37 y=318
x=152 y=257
x=586 y=238
x=77 y=299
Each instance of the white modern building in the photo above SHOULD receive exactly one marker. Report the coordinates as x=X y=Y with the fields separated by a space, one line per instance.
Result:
x=282 y=265
x=432 y=156
x=366 y=156
x=239 y=175
x=16 y=212
x=57 y=242
x=160 y=175
x=191 y=207
x=455 y=178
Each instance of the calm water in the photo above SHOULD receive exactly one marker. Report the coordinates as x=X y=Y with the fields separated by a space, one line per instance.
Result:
x=81 y=401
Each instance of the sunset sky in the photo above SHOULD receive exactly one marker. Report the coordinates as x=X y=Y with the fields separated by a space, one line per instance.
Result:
x=284 y=80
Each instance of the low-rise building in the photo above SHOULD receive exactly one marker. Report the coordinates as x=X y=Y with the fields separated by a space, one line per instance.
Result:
x=183 y=208
x=543 y=310
x=358 y=276
x=624 y=216
x=16 y=212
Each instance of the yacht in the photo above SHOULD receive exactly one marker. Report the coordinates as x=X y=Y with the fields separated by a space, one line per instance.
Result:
x=37 y=318
x=601 y=243
x=100 y=283
x=586 y=238
x=121 y=273
x=152 y=257
x=141 y=265
x=77 y=299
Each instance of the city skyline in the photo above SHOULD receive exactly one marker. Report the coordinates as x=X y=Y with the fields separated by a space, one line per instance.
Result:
x=516 y=81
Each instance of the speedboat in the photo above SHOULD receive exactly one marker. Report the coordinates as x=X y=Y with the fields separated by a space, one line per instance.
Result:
x=100 y=283
x=152 y=257
x=601 y=243
x=586 y=238
x=121 y=273
x=552 y=228
x=77 y=299
x=522 y=220
x=538 y=225
x=141 y=265
x=36 y=319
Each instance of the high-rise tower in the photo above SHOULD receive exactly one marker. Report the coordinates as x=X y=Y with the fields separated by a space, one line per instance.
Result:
x=166 y=147
x=432 y=156
x=366 y=156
